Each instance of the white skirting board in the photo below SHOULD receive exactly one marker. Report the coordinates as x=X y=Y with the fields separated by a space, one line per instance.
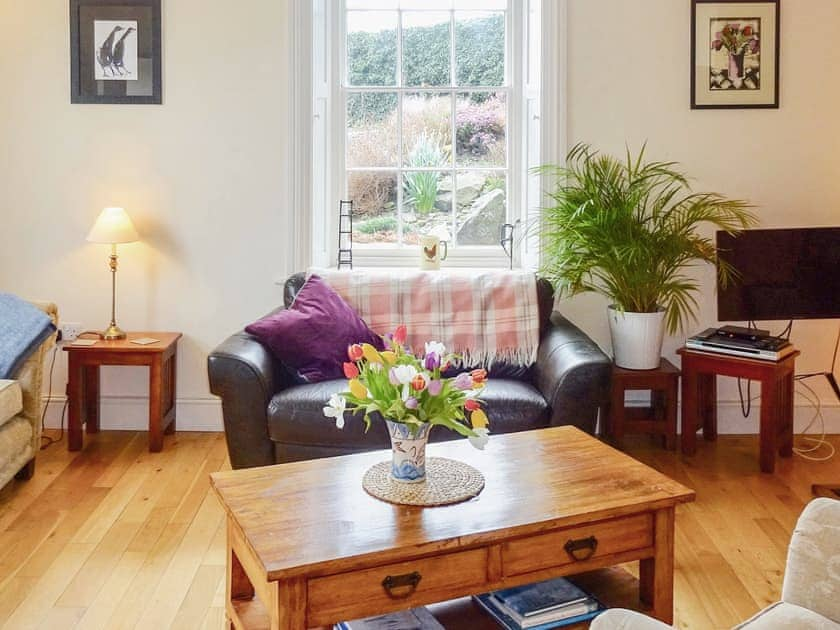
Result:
x=205 y=414
x=131 y=413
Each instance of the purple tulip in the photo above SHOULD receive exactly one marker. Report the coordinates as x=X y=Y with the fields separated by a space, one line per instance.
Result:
x=432 y=361
x=434 y=387
x=411 y=403
x=392 y=377
x=463 y=381
x=717 y=44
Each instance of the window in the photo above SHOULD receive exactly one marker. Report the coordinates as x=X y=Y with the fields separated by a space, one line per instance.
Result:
x=425 y=89
x=425 y=113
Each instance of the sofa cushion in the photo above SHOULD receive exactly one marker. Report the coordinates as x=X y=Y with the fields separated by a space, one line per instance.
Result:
x=11 y=400
x=784 y=616
x=296 y=416
x=312 y=335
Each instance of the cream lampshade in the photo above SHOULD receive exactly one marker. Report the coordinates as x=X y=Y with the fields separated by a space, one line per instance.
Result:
x=113 y=226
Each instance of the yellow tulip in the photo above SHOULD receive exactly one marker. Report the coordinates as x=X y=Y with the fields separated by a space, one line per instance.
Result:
x=357 y=389
x=479 y=419
x=389 y=357
x=370 y=353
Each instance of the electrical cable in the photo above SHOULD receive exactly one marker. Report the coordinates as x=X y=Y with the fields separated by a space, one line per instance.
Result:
x=49 y=440
x=818 y=442
x=809 y=395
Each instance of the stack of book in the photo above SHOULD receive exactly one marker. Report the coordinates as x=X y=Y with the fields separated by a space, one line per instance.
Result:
x=540 y=606
x=414 y=619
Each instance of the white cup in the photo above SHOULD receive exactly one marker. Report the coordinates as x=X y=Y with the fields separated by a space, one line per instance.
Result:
x=430 y=251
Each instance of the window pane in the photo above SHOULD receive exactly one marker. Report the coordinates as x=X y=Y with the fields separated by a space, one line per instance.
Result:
x=372 y=48
x=482 y=206
x=425 y=4
x=481 y=129
x=480 y=48
x=426 y=48
x=374 y=196
x=427 y=130
x=427 y=205
x=372 y=4
x=481 y=4
x=372 y=129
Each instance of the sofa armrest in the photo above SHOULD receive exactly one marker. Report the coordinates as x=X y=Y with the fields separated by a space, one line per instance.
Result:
x=245 y=375
x=30 y=376
x=621 y=619
x=572 y=373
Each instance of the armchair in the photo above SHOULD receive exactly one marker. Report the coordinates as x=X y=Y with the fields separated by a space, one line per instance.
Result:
x=811 y=587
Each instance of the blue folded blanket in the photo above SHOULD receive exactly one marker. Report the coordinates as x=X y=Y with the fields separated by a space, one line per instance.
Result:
x=23 y=328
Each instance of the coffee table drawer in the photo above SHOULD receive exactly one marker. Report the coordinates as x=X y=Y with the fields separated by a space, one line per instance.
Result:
x=395 y=586
x=577 y=544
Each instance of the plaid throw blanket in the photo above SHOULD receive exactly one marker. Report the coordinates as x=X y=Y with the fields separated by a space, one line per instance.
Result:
x=486 y=317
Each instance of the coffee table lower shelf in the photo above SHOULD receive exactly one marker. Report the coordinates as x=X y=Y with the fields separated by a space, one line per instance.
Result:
x=253 y=602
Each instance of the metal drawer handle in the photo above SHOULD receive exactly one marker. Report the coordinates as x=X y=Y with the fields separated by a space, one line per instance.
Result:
x=581 y=549
x=410 y=580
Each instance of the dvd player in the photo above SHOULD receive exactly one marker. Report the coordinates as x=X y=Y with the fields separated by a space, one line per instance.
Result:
x=766 y=348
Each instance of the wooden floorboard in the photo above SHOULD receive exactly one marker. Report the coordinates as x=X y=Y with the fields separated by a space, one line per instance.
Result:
x=115 y=537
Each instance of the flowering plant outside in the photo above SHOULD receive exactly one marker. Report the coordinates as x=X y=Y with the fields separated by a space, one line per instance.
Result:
x=737 y=40
x=410 y=390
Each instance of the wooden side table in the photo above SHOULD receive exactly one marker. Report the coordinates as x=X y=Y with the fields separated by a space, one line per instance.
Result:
x=83 y=382
x=699 y=399
x=660 y=418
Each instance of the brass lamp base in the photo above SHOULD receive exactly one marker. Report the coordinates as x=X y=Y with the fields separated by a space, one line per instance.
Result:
x=112 y=333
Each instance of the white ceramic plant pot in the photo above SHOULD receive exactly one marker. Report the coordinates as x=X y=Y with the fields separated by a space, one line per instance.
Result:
x=636 y=338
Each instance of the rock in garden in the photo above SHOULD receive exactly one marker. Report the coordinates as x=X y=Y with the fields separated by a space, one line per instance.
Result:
x=481 y=225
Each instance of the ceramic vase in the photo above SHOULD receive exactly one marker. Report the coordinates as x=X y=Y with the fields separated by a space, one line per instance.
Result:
x=408 y=451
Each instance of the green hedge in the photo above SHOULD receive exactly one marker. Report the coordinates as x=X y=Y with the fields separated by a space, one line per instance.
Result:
x=372 y=60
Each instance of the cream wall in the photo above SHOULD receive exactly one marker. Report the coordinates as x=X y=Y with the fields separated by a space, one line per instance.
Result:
x=628 y=81
x=204 y=176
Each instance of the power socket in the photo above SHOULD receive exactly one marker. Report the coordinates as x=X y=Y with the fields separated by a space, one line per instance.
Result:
x=70 y=330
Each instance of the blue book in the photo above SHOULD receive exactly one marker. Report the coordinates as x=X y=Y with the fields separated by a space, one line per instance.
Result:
x=540 y=597
x=505 y=620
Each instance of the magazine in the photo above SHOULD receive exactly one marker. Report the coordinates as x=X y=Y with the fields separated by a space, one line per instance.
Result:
x=414 y=619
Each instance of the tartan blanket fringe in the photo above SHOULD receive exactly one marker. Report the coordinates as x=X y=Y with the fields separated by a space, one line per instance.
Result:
x=487 y=317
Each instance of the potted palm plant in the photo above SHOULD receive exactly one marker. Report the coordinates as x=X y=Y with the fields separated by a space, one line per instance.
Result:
x=628 y=229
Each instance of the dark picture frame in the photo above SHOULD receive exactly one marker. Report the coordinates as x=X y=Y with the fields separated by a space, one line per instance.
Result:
x=115 y=52
x=735 y=54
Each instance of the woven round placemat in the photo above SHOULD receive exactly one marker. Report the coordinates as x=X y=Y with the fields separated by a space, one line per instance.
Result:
x=447 y=481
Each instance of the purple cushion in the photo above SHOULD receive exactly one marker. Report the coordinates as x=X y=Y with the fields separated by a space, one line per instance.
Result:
x=312 y=335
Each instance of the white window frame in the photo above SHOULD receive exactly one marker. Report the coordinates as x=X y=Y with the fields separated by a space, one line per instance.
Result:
x=536 y=113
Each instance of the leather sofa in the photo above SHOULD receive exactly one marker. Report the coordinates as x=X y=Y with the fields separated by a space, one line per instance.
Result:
x=20 y=411
x=269 y=418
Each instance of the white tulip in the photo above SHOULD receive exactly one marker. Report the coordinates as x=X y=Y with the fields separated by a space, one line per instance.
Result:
x=335 y=409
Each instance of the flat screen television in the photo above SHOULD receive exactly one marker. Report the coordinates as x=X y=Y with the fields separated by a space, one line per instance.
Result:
x=783 y=274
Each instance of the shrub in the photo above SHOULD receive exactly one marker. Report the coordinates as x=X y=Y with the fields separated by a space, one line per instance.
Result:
x=370 y=191
x=479 y=126
x=421 y=187
x=377 y=224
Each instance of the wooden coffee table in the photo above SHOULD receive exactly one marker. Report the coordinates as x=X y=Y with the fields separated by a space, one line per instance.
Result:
x=307 y=547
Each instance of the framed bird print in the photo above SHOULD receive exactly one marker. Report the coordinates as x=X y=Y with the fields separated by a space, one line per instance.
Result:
x=115 y=51
x=734 y=54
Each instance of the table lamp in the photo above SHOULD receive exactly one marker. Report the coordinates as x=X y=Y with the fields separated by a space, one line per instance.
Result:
x=112 y=227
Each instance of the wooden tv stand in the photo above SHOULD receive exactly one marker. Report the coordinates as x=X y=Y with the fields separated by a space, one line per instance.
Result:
x=699 y=399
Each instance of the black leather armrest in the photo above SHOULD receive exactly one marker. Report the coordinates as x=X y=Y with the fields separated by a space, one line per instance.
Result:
x=572 y=373
x=245 y=375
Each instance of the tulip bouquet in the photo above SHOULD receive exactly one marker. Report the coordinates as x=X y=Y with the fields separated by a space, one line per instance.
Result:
x=737 y=39
x=410 y=390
